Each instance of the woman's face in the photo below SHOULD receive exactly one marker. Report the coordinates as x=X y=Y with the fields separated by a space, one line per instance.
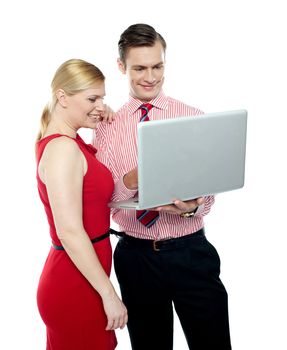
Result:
x=85 y=108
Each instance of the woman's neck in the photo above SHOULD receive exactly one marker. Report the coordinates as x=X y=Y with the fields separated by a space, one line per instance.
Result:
x=59 y=127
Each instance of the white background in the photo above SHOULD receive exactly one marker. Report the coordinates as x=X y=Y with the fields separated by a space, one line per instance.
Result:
x=221 y=55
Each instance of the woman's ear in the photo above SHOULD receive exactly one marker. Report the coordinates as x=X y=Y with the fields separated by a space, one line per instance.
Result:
x=61 y=97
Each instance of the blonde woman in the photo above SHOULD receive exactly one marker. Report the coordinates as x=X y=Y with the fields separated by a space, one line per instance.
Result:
x=76 y=299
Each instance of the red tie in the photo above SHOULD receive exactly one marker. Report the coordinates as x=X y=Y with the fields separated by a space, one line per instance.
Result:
x=146 y=217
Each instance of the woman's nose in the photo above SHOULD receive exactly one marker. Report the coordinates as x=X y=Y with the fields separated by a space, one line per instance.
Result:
x=99 y=105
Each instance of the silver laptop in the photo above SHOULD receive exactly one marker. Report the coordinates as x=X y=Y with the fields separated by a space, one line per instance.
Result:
x=189 y=157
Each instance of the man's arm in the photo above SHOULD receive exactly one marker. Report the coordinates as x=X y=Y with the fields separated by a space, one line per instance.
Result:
x=198 y=206
x=125 y=186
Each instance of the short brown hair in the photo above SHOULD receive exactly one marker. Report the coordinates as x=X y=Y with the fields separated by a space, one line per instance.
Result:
x=136 y=35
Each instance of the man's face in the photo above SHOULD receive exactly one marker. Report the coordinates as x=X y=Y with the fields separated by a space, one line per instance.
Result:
x=144 y=67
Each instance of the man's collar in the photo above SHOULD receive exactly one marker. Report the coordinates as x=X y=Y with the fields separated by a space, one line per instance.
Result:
x=160 y=102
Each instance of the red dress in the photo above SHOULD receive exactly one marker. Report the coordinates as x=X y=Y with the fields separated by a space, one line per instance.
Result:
x=69 y=306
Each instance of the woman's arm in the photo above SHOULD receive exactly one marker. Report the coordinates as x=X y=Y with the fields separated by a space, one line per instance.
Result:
x=63 y=167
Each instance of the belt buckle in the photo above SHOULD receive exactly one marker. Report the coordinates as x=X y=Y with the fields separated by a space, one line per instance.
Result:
x=154 y=245
x=159 y=240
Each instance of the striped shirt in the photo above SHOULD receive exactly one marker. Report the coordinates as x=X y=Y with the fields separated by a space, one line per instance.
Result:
x=117 y=149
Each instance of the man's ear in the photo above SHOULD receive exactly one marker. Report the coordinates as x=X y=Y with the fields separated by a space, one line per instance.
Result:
x=121 y=66
x=61 y=97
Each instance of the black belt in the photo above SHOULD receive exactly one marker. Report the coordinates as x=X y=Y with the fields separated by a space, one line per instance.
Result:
x=94 y=240
x=162 y=244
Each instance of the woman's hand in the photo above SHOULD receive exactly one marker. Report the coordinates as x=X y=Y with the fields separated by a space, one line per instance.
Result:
x=116 y=312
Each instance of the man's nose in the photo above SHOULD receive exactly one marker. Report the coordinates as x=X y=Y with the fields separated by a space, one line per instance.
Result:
x=149 y=76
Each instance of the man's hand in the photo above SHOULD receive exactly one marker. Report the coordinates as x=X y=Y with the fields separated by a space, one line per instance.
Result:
x=178 y=207
x=108 y=115
x=131 y=179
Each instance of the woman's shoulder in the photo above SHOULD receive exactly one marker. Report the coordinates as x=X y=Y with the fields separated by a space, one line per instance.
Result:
x=58 y=145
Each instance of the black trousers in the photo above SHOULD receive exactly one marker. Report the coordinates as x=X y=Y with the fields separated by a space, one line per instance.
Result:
x=186 y=276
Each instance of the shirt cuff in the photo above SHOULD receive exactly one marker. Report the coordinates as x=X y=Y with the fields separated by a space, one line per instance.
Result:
x=122 y=192
x=199 y=210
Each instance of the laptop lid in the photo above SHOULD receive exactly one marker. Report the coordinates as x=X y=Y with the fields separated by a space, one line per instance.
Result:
x=189 y=157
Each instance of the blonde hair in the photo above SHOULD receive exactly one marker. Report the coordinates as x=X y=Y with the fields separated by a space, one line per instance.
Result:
x=73 y=76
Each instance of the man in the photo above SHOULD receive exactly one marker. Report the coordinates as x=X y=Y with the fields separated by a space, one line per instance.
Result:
x=163 y=258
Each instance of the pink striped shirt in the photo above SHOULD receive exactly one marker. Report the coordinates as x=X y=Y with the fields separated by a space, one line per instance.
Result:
x=117 y=149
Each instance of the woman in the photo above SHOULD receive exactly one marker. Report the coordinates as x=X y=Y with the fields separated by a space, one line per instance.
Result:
x=76 y=299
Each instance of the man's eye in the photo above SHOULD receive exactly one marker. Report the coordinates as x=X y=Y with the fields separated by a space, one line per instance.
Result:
x=93 y=100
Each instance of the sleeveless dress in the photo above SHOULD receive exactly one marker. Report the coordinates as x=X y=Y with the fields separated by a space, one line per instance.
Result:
x=70 y=307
